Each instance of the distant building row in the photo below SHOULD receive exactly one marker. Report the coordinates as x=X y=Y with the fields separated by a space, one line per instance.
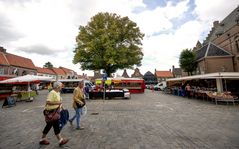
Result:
x=14 y=65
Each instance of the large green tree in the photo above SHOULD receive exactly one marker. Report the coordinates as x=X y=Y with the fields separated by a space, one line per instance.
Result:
x=187 y=61
x=48 y=65
x=108 y=42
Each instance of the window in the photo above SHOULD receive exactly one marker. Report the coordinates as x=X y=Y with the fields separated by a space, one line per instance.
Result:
x=24 y=73
x=237 y=45
x=2 y=71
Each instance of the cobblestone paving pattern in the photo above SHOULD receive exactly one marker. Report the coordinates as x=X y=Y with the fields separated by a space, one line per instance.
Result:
x=150 y=120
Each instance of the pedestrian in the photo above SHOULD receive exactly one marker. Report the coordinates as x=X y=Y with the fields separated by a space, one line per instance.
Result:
x=53 y=103
x=86 y=91
x=152 y=87
x=188 y=90
x=49 y=87
x=78 y=104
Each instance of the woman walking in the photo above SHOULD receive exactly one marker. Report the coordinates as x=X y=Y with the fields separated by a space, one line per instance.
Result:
x=53 y=104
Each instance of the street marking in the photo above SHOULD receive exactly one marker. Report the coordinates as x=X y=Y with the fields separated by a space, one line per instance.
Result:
x=26 y=110
x=158 y=105
x=29 y=110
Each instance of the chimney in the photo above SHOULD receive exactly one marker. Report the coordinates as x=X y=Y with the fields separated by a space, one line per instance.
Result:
x=173 y=68
x=170 y=70
x=2 y=50
x=215 y=24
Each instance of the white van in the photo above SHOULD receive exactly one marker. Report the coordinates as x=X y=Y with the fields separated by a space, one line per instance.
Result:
x=160 y=86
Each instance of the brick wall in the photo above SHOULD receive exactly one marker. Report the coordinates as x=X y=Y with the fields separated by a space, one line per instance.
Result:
x=227 y=41
x=202 y=67
x=21 y=71
x=216 y=64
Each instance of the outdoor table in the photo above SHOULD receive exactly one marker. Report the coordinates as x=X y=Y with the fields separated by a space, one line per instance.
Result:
x=25 y=95
x=201 y=94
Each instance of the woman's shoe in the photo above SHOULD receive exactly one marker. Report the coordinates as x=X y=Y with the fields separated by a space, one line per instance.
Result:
x=44 y=142
x=63 y=141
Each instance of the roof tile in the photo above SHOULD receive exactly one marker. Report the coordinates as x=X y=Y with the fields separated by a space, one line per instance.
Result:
x=59 y=71
x=45 y=71
x=19 y=61
x=3 y=60
x=164 y=74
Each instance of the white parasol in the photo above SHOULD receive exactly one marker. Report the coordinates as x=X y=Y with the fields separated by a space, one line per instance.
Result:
x=26 y=79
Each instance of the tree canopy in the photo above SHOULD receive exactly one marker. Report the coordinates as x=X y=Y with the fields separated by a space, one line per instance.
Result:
x=108 y=42
x=187 y=61
x=48 y=65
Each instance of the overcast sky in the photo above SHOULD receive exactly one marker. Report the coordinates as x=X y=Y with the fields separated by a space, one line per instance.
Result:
x=45 y=30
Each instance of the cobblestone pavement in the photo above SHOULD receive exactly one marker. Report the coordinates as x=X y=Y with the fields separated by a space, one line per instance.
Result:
x=149 y=120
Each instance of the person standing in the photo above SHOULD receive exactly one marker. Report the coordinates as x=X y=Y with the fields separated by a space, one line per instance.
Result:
x=49 y=87
x=87 y=91
x=78 y=104
x=188 y=90
x=53 y=103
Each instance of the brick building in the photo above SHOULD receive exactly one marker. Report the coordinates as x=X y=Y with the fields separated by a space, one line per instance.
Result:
x=224 y=35
x=178 y=72
x=137 y=74
x=46 y=72
x=70 y=74
x=125 y=74
x=212 y=58
x=163 y=75
x=60 y=74
x=11 y=64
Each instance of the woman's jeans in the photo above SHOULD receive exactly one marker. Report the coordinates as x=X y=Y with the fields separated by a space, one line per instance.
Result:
x=77 y=116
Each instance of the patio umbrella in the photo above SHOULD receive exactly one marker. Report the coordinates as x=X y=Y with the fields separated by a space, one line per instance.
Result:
x=26 y=79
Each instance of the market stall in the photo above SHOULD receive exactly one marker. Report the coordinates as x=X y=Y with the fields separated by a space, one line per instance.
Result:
x=23 y=86
x=219 y=83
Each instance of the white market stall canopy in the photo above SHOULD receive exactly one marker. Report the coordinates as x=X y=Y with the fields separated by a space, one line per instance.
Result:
x=222 y=75
x=26 y=79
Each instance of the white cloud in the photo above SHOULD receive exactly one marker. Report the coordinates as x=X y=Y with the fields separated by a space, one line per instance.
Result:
x=159 y=19
x=214 y=10
x=164 y=49
x=54 y=25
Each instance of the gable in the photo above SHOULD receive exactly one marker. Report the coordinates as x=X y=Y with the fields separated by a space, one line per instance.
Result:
x=211 y=50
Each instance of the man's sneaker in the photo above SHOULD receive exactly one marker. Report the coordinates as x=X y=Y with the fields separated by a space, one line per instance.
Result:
x=63 y=141
x=44 y=142
x=79 y=128
x=70 y=121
